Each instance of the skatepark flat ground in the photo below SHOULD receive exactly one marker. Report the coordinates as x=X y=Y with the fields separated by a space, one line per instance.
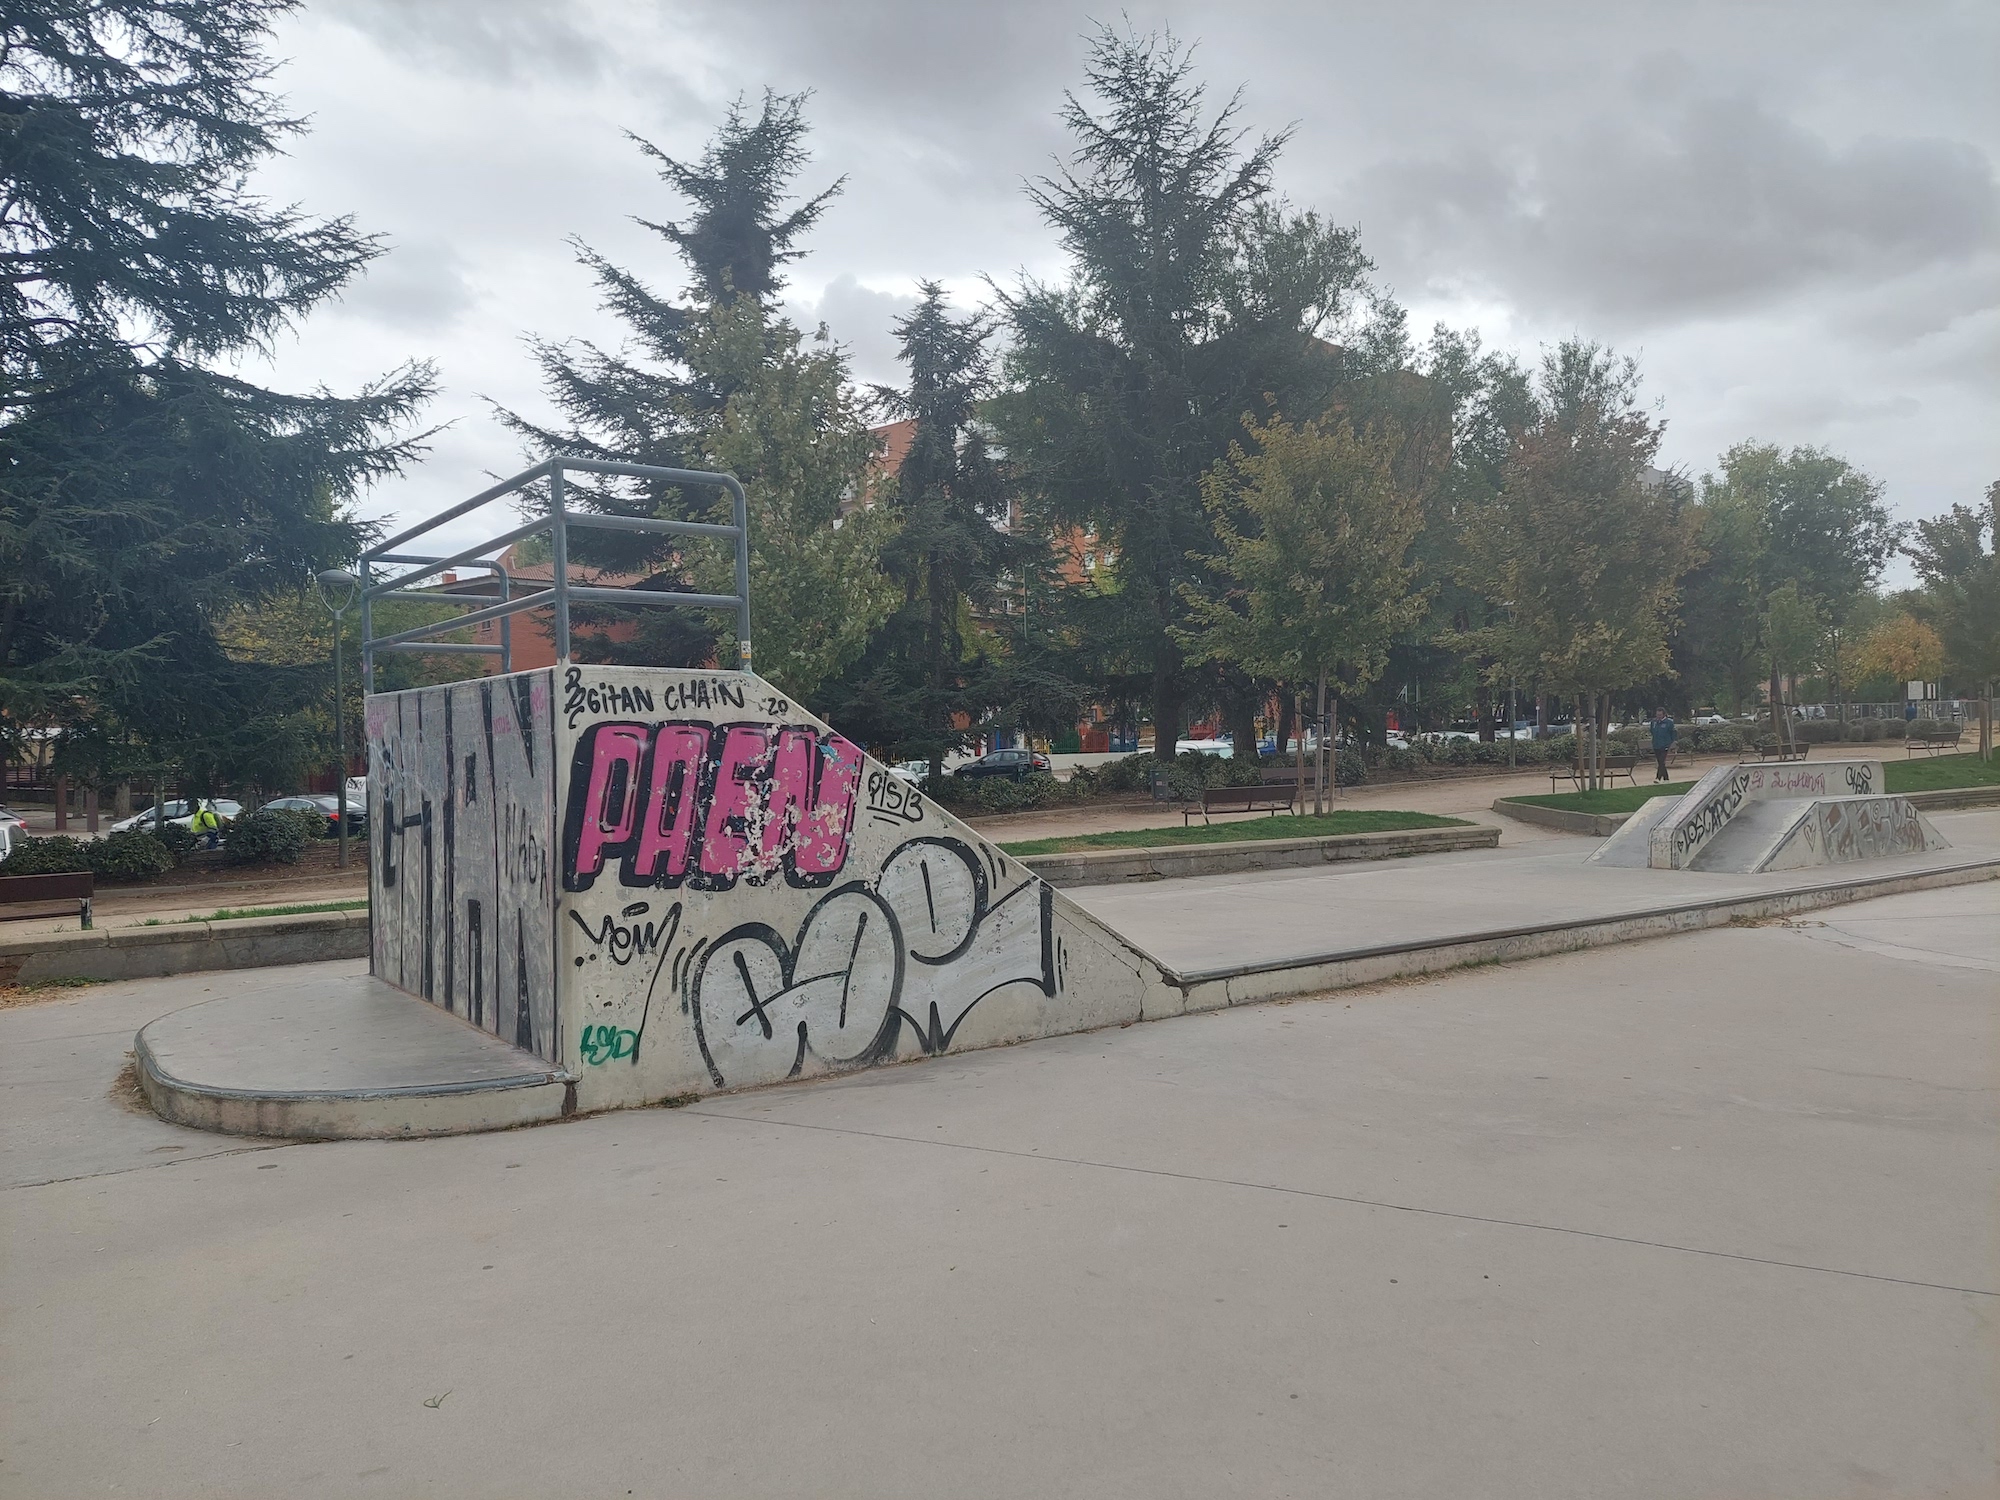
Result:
x=1712 y=1215
x=1276 y=915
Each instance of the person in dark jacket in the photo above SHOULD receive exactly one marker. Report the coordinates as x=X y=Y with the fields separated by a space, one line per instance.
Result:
x=1664 y=735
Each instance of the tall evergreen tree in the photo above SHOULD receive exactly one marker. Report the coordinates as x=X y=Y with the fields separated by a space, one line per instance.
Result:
x=720 y=380
x=144 y=492
x=1195 y=298
x=931 y=675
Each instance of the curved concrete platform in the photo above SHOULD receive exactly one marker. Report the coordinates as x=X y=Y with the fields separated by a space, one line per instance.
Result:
x=340 y=1057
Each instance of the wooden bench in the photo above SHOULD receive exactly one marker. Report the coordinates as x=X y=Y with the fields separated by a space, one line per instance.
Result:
x=42 y=890
x=1782 y=752
x=1930 y=744
x=1274 y=799
x=1609 y=767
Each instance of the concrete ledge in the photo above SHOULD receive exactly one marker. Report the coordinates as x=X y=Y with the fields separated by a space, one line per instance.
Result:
x=1603 y=825
x=1181 y=861
x=349 y=1058
x=1248 y=984
x=182 y=947
x=1562 y=819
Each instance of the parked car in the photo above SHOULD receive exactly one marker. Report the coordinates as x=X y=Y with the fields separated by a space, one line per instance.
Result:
x=7 y=838
x=179 y=812
x=1019 y=764
x=329 y=805
x=1711 y=718
x=1220 y=749
x=912 y=771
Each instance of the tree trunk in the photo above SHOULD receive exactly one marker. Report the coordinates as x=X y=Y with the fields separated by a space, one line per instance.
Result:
x=1299 y=778
x=1483 y=706
x=1319 y=747
x=1780 y=727
x=1541 y=715
x=1242 y=716
x=1287 y=720
x=1333 y=749
x=1167 y=699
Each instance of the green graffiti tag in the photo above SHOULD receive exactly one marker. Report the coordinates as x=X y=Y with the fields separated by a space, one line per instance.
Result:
x=603 y=1044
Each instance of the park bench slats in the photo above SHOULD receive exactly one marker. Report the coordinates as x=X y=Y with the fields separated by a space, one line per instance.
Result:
x=1931 y=744
x=1273 y=798
x=42 y=890
x=1609 y=767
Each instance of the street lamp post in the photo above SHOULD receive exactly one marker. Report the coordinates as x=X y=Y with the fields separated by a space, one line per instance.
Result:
x=337 y=591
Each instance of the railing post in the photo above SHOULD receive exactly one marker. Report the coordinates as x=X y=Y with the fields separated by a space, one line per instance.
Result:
x=367 y=636
x=740 y=508
x=559 y=553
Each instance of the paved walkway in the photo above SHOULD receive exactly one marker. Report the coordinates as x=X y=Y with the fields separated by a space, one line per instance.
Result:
x=1469 y=797
x=1557 y=1230
x=1220 y=921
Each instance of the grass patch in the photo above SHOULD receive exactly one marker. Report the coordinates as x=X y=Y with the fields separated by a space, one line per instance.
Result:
x=230 y=913
x=1284 y=826
x=1614 y=800
x=1934 y=773
x=1938 y=773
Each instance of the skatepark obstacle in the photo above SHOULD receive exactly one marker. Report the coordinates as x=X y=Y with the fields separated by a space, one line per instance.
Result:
x=672 y=882
x=1748 y=818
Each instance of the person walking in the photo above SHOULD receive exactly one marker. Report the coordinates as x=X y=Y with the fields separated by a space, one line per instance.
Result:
x=1664 y=735
x=206 y=824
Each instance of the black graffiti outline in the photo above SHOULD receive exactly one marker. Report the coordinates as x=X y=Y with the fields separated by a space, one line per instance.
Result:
x=931 y=1033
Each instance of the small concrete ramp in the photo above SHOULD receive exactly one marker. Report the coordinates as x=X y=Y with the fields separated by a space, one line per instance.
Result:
x=1745 y=819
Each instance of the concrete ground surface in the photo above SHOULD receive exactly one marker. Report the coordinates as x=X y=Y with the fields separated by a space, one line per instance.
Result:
x=1270 y=916
x=1712 y=1216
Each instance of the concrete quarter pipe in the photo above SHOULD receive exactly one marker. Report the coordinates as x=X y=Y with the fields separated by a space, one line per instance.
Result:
x=671 y=882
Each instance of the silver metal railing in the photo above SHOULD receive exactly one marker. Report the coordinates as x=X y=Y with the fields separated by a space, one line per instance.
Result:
x=560 y=591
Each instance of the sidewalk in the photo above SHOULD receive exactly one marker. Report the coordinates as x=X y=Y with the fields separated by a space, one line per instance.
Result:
x=1468 y=797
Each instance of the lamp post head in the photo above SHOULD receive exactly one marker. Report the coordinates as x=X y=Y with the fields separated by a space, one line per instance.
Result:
x=337 y=588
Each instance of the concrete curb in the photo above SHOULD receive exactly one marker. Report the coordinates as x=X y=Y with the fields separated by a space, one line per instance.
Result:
x=1249 y=984
x=357 y=1114
x=1181 y=861
x=110 y=953
x=1562 y=819
x=1603 y=825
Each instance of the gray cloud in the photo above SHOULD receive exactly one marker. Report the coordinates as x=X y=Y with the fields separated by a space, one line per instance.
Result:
x=1789 y=211
x=493 y=38
x=419 y=286
x=1695 y=208
x=861 y=319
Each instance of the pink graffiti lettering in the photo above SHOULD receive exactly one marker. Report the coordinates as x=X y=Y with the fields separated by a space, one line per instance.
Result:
x=611 y=796
x=682 y=801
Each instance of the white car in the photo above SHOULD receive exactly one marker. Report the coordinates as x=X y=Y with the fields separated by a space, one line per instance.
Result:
x=1711 y=719
x=178 y=812
x=1221 y=749
x=912 y=771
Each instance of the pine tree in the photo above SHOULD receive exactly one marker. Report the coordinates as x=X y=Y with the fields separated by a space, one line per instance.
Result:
x=719 y=380
x=1195 y=298
x=144 y=492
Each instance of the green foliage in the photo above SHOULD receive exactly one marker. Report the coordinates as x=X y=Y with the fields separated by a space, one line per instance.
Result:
x=271 y=836
x=721 y=382
x=144 y=489
x=1314 y=534
x=1194 y=297
x=116 y=857
x=1584 y=552
x=179 y=842
x=131 y=855
x=58 y=854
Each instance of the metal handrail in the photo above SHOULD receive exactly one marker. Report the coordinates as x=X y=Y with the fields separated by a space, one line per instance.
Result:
x=560 y=591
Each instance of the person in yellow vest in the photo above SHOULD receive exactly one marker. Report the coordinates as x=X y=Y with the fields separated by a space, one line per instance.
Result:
x=206 y=823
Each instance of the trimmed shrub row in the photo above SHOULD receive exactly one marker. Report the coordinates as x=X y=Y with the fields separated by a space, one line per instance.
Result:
x=267 y=837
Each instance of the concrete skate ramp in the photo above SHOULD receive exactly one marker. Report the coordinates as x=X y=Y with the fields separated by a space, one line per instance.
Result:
x=1671 y=833
x=1825 y=831
x=672 y=882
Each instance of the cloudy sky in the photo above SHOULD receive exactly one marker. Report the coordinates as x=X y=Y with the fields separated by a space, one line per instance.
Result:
x=1789 y=211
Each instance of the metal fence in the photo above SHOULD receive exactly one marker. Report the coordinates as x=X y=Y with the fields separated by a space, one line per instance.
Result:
x=560 y=593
